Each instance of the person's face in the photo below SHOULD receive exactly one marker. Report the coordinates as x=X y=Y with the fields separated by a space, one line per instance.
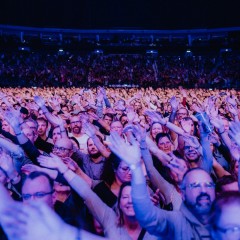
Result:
x=39 y=186
x=5 y=126
x=124 y=119
x=108 y=120
x=40 y=114
x=236 y=167
x=56 y=134
x=199 y=192
x=181 y=113
x=3 y=177
x=76 y=125
x=227 y=226
x=165 y=145
x=126 y=204
x=33 y=126
x=42 y=128
x=191 y=153
x=4 y=106
x=156 y=128
x=63 y=148
x=226 y=124
x=92 y=149
x=137 y=106
x=123 y=173
x=116 y=127
x=29 y=134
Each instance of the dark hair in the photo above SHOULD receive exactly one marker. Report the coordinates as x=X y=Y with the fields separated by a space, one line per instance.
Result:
x=161 y=135
x=108 y=115
x=227 y=179
x=43 y=120
x=110 y=167
x=224 y=199
x=36 y=174
x=121 y=219
x=75 y=140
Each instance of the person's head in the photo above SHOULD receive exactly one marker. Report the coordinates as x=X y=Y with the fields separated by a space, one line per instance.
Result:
x=3 y=176
x=75 y=124
x=42 y=126
x=155 y=128
x=198 y=191
x=33 y=125
x=164 y=142
x=56 y=134
x=225 y=222
x=24 y=112
x=92 y=149
x=137 y=106
x=181 y=113
x=123 y=119
x=108 y=118
x=3 y=106
x=63 y=147
x=122 y=171
x=5 y=126
x=38 y=186
x=116 y=126
x=125 y=205
x=29 y=133
x=226 y=183
x=191 y=152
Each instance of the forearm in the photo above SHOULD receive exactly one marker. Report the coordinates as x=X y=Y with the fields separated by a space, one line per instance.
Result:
x=103 y=150
x=172 y=116
x=11 y=147
x=207 y=153
x=155 y=177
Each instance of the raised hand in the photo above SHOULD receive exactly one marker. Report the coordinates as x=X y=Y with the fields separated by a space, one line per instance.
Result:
x=89 y=129
x=71 y=164
x=217 y=123
x=53 y=162
x=174 y=103
x=39 y=101
x=29 y=168
x=231 y=101
x=6 y=163
x=130 y=114
x=128 y=153
x=235 y=132
x=155 y=117
x=186 y=125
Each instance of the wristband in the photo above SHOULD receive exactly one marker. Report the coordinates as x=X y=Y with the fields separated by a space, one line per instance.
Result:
x=221 y=132
x=18 y=134
x=135 y=165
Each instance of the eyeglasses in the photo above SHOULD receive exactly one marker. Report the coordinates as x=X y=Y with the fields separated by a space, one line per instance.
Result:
x=187 y=148
x=36 y=195
x=75 y=122
x=196 y=185
x=60 y=149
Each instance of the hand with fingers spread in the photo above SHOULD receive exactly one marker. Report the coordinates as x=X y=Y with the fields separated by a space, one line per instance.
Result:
x=39 y=101
x=235 y=132
x=71 y=164
x=52 y=162
x=174 y=103
x=217 y=123
x=89 y=129
x=128 y=153
x=155 y=117
x=187 y=125
x=130 y=114
x=29 y=168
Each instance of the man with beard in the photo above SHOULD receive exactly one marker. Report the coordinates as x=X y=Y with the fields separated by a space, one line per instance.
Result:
x=198 y=193
x=92 y=163
x=76 y=132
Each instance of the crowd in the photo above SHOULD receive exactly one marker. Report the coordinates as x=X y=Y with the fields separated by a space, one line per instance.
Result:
x=54 y=69
x=137 y=163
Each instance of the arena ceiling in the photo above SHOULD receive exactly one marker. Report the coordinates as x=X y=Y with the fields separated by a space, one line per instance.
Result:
x=124 y=14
